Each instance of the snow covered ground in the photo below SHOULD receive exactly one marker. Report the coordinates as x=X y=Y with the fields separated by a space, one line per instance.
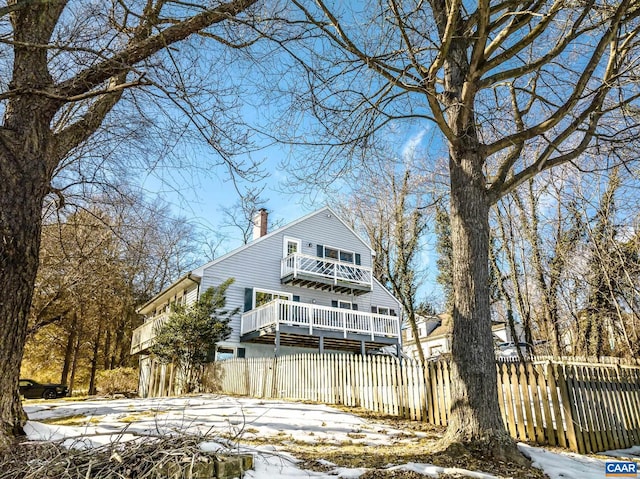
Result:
x=96 y=422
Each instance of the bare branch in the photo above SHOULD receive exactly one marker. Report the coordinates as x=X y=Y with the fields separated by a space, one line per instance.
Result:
x=137 y=51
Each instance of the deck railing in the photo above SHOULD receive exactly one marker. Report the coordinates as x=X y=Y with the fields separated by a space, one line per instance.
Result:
x=327 y=268
x=143 y=335
x=312 y=317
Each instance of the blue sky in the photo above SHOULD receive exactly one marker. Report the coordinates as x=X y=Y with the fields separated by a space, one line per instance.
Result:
x=200 y=198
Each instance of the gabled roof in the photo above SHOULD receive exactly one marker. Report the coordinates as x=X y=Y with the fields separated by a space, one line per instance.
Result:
x=200 y=270
x=197 y=273
x=165 y=294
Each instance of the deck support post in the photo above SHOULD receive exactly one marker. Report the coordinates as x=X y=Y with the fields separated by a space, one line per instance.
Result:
x=277 y=350
x=321 y=344
x=363 y=348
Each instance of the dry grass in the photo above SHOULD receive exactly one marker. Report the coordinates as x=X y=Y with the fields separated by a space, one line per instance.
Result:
x=48 y=460
x=421 y=449
x=75 y=420
x=138 y=459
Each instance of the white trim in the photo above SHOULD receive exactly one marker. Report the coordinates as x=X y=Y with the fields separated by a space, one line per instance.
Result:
x=285 y=245
x=345 y=302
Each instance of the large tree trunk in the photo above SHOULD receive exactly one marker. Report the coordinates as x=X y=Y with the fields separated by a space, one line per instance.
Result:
x=475 y=415
x=475 y=418
x=26 y=164
x=21 y=196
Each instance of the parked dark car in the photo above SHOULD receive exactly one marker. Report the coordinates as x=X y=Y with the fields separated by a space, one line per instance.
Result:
x=33 y=390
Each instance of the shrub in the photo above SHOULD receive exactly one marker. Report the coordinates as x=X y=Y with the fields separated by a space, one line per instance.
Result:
x=119 y=380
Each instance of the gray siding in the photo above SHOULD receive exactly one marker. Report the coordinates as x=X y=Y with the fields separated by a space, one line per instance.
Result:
x=192 y=294
x=258 y=266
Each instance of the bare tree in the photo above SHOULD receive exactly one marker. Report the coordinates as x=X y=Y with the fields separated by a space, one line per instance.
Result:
x=71 y=64
x=514 y=88
x=240 y=216
x=567 y=241
x=96 y=266
x=390 y=207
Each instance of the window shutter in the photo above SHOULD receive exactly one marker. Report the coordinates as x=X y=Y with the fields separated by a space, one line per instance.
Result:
x=320 y=251
x=334 y=303
x=392 y=312
x=248 y=299
x=241 y=353
x=374 y=309
x=358 y=260
x=211 y=355
x=296 y=298
x=354 y=306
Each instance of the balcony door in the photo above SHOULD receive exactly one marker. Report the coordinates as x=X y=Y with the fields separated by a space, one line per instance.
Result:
x=290 y=246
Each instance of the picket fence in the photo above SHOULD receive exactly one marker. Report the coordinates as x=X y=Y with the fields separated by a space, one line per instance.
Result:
x=583 y=407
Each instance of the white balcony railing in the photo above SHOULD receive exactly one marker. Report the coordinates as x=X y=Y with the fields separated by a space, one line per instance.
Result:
x=143 y=335
x=313 y=317
x=337 y=271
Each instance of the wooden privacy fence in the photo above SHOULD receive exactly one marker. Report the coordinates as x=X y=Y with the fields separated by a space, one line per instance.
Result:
x=583 y=407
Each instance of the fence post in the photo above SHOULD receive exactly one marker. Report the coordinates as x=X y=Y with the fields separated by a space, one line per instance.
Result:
x=569 y=409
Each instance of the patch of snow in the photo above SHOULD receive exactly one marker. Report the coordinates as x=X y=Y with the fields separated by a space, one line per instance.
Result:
x=563 y=465
x=121 y=420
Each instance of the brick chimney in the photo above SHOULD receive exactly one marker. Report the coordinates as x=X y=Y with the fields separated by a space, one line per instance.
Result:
x=260 y=223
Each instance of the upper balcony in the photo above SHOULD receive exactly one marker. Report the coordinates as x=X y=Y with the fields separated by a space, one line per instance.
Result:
x=301 y=325
x=143 y=335
x=300 y=269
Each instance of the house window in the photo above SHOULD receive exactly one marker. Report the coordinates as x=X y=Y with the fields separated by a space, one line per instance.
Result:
x=263 y=296
x=383 y=310
x=338 y=254
x=344 y=305
x=290 y=246
x=346 y=256
x=224 y=353
x=331 y=253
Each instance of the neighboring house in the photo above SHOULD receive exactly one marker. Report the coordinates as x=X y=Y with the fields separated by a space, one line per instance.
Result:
x=434 y=334
x=307 y=286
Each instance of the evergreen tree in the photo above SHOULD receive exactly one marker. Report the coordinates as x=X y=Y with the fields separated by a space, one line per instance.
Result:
x=601 y=311
x=192 y=332
x=445 y=254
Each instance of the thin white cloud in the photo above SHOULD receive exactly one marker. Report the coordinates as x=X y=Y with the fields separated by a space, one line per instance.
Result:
x=411 y=145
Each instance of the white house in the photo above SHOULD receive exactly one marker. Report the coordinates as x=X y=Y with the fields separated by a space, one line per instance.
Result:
x=434 y=334
x=307 y=286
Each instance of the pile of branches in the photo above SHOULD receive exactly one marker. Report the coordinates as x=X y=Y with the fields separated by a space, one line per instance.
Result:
x=144 y=457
